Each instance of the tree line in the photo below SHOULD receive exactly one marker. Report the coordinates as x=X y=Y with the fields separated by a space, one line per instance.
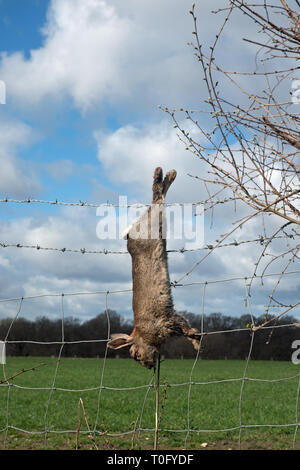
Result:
x=226 y=337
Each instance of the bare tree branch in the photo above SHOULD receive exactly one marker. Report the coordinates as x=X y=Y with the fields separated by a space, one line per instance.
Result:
x=249 y=141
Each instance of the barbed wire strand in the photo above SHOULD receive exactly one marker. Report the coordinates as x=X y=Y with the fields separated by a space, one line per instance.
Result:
x=56 y=202
x=105 y=251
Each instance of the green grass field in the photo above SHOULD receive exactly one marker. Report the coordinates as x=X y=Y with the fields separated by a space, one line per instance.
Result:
x=126 y=418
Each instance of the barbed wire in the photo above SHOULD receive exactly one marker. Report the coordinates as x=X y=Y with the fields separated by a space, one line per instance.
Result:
x=260 y=239
x=56 y=202
x=63 y=250
x=79 y=203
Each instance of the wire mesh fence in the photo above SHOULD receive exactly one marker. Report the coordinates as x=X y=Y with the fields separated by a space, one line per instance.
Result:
x=187 y=426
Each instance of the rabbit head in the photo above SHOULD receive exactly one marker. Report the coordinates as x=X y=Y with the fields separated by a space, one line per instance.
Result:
x=139 y=350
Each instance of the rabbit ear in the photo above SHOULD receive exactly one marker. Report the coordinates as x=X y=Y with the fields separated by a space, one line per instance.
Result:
x=161 y=185
x=120 y=340
x=169 y=178
x=157 y=185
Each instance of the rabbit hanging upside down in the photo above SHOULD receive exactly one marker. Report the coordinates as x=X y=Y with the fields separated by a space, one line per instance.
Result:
x=154 y=316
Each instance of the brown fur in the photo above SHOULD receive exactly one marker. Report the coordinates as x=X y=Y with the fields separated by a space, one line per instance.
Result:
x=152 y=303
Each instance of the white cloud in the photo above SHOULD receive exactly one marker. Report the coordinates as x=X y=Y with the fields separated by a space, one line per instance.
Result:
x=4 y=262
x=30 y=272
x=98 y=52
x=72 y=228
x=16 y=178
x=80 y=57
x=130 y=154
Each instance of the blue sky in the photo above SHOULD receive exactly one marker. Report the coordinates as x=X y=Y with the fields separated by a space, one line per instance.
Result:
x=21 y=23
x=84 y=80
x=65 y=132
